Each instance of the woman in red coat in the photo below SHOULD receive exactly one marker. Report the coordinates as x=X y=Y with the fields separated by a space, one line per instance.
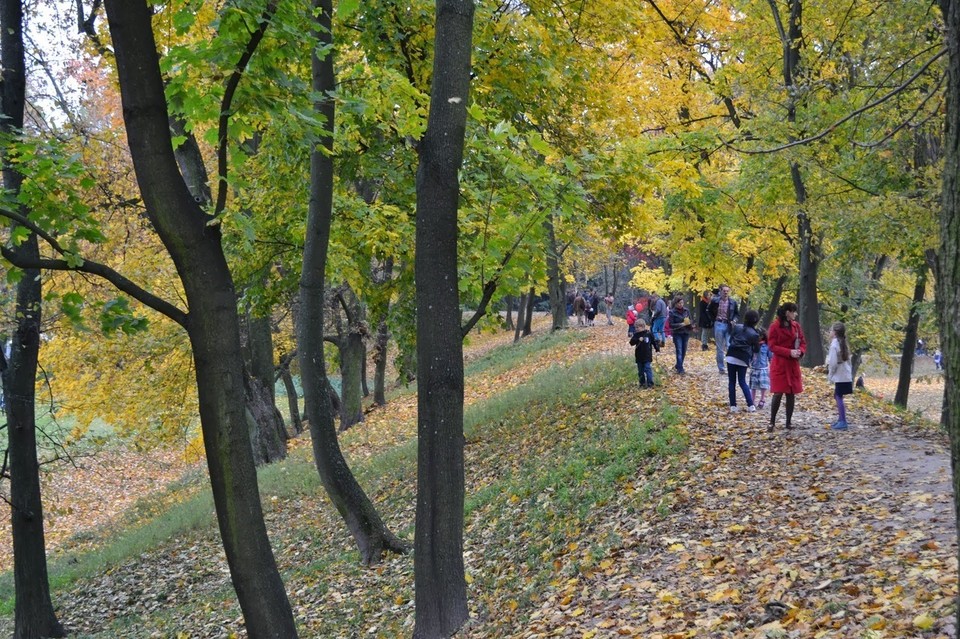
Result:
x=787 y=344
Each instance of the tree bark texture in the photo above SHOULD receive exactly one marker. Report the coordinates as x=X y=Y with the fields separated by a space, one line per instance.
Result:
x=910 y=340
x=441 y=589
x=212 y=324
x=948 y=264
x=34 y=616
x=520 y=314
x=293 y=400
x=555 y=284
x=352 y=363
x=356 y=509
x=528 y=316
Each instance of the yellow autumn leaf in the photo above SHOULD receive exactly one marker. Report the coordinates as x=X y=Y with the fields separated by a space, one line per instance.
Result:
x=923 y=622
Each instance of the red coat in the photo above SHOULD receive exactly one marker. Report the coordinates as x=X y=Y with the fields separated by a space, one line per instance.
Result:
x=784 y=370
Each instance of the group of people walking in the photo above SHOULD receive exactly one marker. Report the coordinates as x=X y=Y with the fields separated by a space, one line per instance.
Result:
x=772 y=356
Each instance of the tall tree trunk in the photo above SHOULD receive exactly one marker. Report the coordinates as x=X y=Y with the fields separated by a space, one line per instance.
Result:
x=356 y=509
x=33 y=610
x=791 y=38
x=380 y=364
x=352 y=362
x=268 y=434
x=910 y=339
x=948 y=263
x=555 y=285
x=771 y=310
x=528 y=316
x=441 y=589
x=508 y=302
x=293 y=400
x=520 y=313
x=212 y=323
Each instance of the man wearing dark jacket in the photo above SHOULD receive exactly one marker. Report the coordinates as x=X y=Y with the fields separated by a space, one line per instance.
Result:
x=724 y=313
x=703 y=318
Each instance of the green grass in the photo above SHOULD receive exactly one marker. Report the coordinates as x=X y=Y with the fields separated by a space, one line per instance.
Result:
x=537 y=463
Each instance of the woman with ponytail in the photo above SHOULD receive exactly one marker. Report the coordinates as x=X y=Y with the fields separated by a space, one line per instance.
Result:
x=840 y=372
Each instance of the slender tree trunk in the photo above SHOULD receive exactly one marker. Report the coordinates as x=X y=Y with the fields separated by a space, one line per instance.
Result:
x=508 y=300
x=771 y=311
x=380 y=365
x=520 y=313
x=293 y=400
x=212 y=323
x=948 y=264
x=356 y=509
x=910 y=339
x=441 y=589
x=555 y=284
x=33 y=610
x=528 y=316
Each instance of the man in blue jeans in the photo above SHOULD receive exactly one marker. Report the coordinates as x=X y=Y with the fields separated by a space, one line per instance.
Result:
x=724 y=313
x=658 y=316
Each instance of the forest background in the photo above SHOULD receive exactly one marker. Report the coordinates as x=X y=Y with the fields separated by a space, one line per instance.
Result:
x=792 y=149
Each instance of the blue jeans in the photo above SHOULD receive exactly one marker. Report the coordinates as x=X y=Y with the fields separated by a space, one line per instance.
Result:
x=680 y=344
x=657 y=329
x=737 y=374
x=645 y=371
x=721 y=334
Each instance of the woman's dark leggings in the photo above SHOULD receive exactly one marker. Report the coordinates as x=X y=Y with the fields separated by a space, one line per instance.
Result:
x=775 y=406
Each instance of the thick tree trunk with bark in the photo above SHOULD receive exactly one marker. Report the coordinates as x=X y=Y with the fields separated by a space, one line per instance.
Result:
x=352 y=363
x=910 y=340
x=33 y=610
x=520 y=313
x=555 y=285
x=380 y=344
x=356 y=509
x=948 y=264
x=212 y=324
x=441 y=589
x=268 y=434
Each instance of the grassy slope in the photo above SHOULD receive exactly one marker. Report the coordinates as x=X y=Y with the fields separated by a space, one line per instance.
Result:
x=547 y=460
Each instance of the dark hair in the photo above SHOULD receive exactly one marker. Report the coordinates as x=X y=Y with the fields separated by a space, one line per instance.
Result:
x=840 y=332
x=751 y=318
x=782 y=312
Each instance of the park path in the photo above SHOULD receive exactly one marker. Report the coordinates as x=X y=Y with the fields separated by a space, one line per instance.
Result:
x=802 y=533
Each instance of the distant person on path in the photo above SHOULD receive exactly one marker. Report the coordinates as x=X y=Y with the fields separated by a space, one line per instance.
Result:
x=579 y=308
x=760 y=370
x=658 y=315
x=571 y=296
x=787 y=344
x=593 y=305
x=631 y=321
x=724 y=314
x=680 y=327
x=840 y=372
x=608 y=306
x=744 y=344
x=938 y=359
x=643 y=353
x=703 y=318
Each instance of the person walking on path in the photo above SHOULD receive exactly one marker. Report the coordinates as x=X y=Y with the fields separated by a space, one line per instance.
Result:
x=938 y=359
x=788 y=345
x=658 y=316
x=724 y=313
x=608 y=306
x=644 y=345
x=579 y=308
x=703 y=319
x=760 y=370
x=840 y=372
x=593 y=305
x=744 y=344
x=680 y=328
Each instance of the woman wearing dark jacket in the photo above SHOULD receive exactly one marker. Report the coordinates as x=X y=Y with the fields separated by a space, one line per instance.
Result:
x=744 y=342
x=680 y=328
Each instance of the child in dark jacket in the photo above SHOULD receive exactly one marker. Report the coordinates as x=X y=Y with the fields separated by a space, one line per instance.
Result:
x=643 y=340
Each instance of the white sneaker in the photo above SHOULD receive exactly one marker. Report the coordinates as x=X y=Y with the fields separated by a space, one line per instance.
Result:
x=734 y=409
x=751 y=409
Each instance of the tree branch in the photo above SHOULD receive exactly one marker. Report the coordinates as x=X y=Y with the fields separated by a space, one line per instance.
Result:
x=225 y=104
x=101 y=270
x=830 y=129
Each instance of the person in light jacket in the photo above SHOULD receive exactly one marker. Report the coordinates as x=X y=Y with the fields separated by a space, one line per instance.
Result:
x=840 y=372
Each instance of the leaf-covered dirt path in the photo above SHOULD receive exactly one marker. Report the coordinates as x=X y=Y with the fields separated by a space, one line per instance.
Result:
x=802 y=533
